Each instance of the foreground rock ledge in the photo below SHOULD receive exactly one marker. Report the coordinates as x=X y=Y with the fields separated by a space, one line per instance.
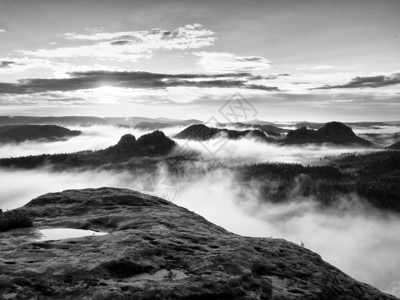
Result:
x=156 y=250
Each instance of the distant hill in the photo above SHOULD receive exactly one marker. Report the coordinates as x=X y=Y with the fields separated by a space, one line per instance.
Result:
x=89 y=121
x=257 y=122
x=134 y=121
x=21 y=133
x=151 y=125
x=201 y=132
x=164 y=124
x=24 y=120
x=332 y=132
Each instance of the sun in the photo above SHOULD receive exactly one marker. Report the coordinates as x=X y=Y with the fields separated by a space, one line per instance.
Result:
x=108 y=89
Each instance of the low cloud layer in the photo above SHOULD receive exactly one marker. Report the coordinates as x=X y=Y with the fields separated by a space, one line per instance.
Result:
x=251 y=151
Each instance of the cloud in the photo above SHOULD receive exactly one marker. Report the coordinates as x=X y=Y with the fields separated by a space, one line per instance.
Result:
x=366 y=82
x=59 y=69
x=134 y=80
x=7 y=63
x=2 y=30
x=227 y=62
x=323 y=67
x=131 y=45
x=346 y=100
x=305 y=67
x=15 y=64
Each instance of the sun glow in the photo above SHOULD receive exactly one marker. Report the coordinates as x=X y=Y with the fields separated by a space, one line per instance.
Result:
x=108 y=90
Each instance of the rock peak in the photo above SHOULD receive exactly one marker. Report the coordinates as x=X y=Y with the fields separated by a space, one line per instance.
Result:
x=127 y=141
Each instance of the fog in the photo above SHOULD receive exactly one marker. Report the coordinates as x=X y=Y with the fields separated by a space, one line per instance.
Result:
x=19 y=187
x=360 y=241
x=247 y=150
x=386 y=129
x=380 y=135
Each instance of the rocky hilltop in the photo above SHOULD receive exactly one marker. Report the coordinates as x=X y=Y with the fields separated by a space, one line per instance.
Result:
x=333 y=132
x=156 y=250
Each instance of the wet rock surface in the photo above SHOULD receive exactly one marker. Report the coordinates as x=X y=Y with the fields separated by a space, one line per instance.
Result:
x=156 y=250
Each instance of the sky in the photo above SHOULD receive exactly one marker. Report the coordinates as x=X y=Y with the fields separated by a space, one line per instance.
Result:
x=288 y=60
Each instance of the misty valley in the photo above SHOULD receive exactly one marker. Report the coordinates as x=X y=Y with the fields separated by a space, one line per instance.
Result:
x=333 y=188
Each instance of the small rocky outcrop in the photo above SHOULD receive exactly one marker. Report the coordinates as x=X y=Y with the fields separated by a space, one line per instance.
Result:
x=14 y=219
x=155 y=143
x=157 y=250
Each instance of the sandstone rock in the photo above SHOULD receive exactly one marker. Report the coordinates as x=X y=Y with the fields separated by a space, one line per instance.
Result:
x=157 y=250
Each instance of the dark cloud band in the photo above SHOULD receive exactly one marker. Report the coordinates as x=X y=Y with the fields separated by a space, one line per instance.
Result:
x=95 y=79
x=366 y=82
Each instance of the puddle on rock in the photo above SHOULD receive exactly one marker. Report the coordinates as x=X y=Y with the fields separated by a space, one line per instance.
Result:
x=66 y=233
